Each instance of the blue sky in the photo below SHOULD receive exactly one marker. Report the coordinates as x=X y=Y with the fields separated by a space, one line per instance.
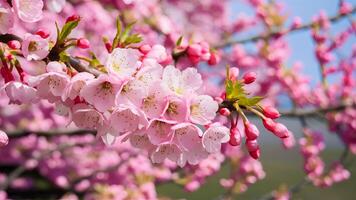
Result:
x=300 y=42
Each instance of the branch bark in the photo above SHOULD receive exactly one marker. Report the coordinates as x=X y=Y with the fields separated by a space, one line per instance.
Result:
x=271 y=34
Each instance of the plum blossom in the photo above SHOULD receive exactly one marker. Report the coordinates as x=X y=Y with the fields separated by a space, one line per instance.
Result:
x=169 y=151
x=214 y=136
x=123 y=62
x=155 y=102
x=181 y=83
x=19 y=93
x=34 y=47
x=203 y=109
x=160 y=131
x=51 y=85
x=6 y=18
x=86 y=117
x=76 y=84
x=4 y=140
x=101 y=92
x=28 y=10
x=55 y=5
x=127 y=119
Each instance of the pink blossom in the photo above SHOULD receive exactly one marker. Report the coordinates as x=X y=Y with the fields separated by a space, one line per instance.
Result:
x=160 y=131
x=101 y=92
x=4 y=140
x=181 y=83
x=169 y=151
x=76 y=84
x=55 y=5
x=126 y=118
x=51 y=85
x=123 y=62
x=155 y=103
x=214 y=136
x=86 y=117
x=28 y=10
x=19 y=93
x=6 y=18
x=203 y=109
x=34 y=47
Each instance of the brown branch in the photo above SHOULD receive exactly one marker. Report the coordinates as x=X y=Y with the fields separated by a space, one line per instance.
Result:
x=316 y=111
x=271 y=34
x=22 y=133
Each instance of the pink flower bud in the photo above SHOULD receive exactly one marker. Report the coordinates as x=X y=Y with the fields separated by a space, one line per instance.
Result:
x=224 y=112
x=235 y=137
x=42 y=33
x=83 y=43
x=345 y=8
x=194 y=50
x=271 y=112
x=269 y=124
x=255 y=154
x=249 y=77
x=4 y=140
x=252 y=145
x=234 y=73
x=214 y=58
x=108 y=46
x=281 y=131
x=73 y=18
x=14 y=44
x=145 y=48
x=297 y=23
x=251 y=131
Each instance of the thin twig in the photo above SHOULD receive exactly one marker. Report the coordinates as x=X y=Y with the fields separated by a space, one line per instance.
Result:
x=21 y=133
x=306 y=26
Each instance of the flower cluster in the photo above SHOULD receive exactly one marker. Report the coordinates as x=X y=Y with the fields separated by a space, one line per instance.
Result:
x=311 y=147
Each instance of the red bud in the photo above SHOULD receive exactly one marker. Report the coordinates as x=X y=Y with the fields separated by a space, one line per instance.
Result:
x=72 y=18
x=83 y=43
x=271 y=112
x=255 y=154
x=252 y=145
x=224 y=112
x=251 y=131
x=235 y=137
x=249 y=77
x=269 y=124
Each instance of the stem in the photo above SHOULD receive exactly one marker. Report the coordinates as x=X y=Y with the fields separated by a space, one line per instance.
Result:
x=271 y=34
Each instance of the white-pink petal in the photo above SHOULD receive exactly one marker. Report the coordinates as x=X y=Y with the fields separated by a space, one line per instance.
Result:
x=101 y=92
x=203 y=109
x=28 y=10
x=86 y=117
x=214 y=136
x=159 y=131
x=123 y=62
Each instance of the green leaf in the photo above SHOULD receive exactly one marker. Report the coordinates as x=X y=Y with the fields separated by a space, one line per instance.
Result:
x=94 y=60
x=118 y=33
x=126 y=32
x=132 y=39
x=67 y=29
x=179 y=41
x=245 y=101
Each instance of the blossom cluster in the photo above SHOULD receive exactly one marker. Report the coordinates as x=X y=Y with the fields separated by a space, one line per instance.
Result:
x=155 y=108
x=311 y=147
